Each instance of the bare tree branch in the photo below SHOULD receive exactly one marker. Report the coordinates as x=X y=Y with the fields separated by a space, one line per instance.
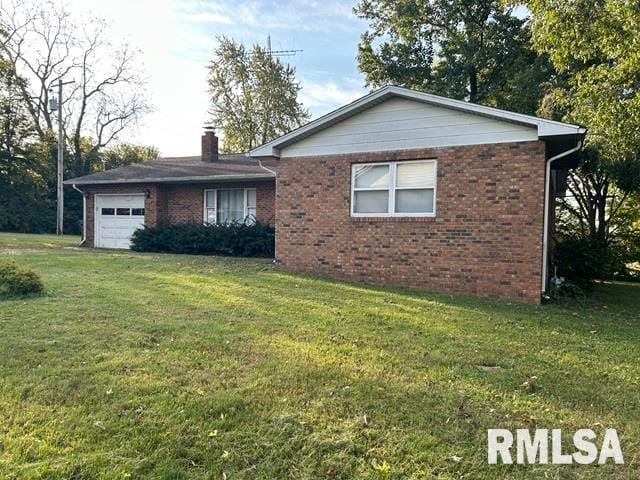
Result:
x=44 y=44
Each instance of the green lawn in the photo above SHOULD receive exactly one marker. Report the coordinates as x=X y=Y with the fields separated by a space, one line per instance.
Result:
x=10 y=241
x=162 y=366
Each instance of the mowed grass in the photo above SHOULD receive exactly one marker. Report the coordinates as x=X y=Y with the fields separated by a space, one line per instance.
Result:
x=170 y=367
x=10 y=241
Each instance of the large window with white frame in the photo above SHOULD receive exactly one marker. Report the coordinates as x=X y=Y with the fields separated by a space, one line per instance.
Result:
x=389 y=189
x=233 y=205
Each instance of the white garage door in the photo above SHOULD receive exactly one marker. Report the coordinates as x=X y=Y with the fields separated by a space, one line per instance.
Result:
x=117 y=217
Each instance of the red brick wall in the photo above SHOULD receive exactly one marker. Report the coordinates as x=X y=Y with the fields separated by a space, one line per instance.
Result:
x=179 y=203
x=484 y=240
x=185 y=203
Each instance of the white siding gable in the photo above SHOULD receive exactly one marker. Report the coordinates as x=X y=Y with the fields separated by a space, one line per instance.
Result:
x=399 y=124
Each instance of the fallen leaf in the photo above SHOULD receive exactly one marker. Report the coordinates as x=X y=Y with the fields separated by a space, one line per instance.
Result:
x=489 y=368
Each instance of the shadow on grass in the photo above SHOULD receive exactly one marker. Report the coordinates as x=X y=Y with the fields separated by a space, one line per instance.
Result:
x=286 y=367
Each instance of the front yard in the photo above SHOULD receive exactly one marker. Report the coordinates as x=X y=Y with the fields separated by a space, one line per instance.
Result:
x=162 y=366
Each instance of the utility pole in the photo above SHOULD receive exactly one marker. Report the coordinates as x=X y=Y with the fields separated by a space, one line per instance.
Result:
x=60 y=189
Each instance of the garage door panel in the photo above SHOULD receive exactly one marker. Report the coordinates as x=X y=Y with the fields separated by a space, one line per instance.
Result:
x=118 y=216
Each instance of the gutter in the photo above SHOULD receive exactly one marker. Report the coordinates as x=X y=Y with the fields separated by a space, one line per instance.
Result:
x=545 y=229
x=84 y=214
x=192 y=179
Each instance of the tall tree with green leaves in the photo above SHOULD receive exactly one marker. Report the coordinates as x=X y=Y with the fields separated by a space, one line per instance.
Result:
x=595 y=45
x=254 y=96
x=465 y=49
x=25 y=169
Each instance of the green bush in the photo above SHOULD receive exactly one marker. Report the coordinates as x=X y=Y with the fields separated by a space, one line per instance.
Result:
x=17 y=281
x=236 y=239
x=580 y=260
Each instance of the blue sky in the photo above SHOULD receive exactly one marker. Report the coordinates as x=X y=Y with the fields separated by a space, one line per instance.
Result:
x=176 y=38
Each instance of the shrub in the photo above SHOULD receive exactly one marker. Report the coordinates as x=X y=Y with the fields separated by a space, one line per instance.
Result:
x=580 y=260
x=234 y=239
x=18 y=281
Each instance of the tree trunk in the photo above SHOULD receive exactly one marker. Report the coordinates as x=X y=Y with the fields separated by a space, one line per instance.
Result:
x=473 y=85
x=602 y=212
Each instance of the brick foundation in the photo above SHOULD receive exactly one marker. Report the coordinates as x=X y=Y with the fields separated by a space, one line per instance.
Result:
x=484 y=240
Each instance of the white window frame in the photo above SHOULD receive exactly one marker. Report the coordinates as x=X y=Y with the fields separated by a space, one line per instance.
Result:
x=215 y=202
x=392 y=189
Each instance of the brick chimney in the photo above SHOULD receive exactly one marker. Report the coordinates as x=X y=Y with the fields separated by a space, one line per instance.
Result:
x=209 y=145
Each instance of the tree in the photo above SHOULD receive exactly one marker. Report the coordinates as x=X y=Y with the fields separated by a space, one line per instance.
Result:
x=43 y=44
x=593 y=46
x=465 y=49
x=126 y=154
x=254 y=96
x=23 y=173
x=40 y=43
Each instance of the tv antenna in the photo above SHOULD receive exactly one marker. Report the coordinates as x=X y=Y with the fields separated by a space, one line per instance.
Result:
x=280 y=53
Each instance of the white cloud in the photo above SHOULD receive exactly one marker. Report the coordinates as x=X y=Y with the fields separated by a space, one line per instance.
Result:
x=325 y=96
x=208 y=17
x=176 y=38
x=298 y=15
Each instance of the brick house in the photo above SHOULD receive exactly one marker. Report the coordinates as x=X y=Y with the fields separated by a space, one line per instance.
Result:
x=398 y=188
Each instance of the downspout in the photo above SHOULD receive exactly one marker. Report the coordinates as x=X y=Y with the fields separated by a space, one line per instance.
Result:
x=84 y=214
x=266 y=168
x=545 y=229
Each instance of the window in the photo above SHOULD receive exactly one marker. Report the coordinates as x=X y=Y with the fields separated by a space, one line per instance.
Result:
x=137 y=211
x=123 y=211
x=251 y=206
x=108 y=211
x=230 y=205
x=210 y=206
x=394 y=189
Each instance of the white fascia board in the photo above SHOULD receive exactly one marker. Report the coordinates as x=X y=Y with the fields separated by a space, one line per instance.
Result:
x=545 y=128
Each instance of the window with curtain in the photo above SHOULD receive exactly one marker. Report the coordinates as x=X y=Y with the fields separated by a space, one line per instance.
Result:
x=230 y=206
x=394 y=188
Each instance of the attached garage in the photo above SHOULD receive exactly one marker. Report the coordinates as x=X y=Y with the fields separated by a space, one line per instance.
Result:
x=117 y=217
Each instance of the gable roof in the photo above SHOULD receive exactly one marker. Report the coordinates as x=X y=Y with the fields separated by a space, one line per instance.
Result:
x=545 y=128
x=230 y=167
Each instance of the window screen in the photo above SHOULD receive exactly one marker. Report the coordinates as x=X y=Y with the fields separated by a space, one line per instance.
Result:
x=394 y=188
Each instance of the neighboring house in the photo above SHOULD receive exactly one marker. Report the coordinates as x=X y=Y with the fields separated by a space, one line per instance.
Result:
x=397 y=188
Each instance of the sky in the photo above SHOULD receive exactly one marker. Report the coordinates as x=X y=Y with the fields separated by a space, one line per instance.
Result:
x=176 y=39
